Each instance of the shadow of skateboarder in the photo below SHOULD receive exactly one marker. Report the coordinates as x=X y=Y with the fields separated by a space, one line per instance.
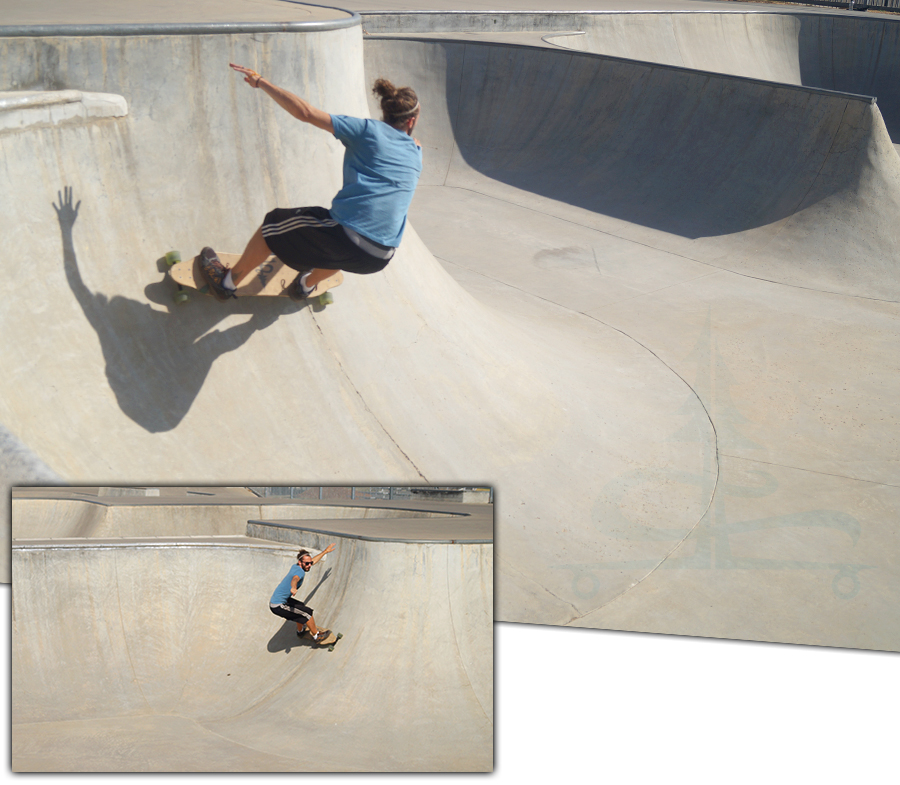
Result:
x=155 y=365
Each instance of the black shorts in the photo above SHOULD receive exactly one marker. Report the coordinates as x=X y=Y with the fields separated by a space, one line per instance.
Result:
x=305 y=238
x=292 y=609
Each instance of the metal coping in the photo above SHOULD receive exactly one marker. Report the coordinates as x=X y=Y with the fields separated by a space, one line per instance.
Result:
x=796 y=8
x=188 y=28
x=348 y=536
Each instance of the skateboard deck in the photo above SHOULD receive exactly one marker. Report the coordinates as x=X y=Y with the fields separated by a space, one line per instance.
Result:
x=271 y=279
x=331 y=640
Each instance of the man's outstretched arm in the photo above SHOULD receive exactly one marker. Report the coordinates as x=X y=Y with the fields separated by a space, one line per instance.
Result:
x=296 y=106
x=318 y=556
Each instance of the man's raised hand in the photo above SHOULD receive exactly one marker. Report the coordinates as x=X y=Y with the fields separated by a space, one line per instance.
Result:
x=250 y=76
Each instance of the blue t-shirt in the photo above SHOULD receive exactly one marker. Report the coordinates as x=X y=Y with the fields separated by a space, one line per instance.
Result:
x=381 y=170
x=283 y=591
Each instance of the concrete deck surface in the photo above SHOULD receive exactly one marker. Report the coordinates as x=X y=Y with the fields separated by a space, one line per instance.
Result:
x=661 y=321
x=118 y=12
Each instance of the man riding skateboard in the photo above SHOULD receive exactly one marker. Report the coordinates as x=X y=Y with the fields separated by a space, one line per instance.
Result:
x=283 y=603
x=359 y=234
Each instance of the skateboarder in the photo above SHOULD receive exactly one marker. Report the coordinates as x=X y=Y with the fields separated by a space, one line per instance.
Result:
x=283 y=603
x=382 y=164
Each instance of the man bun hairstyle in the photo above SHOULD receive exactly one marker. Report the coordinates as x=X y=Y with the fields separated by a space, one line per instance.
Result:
x=302 y=554
x=398 y=104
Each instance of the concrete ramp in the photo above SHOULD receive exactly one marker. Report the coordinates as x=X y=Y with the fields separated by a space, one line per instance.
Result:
x=667 y=158
x=411 y=377
x=155 y=393
x=161 y=655
x=667 y=340
x=831 y=51
x=741 y=233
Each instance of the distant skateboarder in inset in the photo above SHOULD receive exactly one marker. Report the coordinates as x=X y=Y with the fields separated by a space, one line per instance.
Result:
x=283 y=603
x=382 y=164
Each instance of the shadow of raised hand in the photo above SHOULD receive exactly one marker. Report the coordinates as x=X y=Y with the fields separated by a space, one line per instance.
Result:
x=156 y=364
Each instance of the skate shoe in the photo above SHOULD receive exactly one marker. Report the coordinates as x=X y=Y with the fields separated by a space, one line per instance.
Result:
x=295 y=290
x=323 y=637
x=214 y=272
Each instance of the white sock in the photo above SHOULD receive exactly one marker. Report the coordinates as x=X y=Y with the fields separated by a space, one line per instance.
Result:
x=228 y=283
x=306 y=289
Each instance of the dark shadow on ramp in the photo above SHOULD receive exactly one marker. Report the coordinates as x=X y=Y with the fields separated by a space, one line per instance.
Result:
x=156 y=363
x=689 y=153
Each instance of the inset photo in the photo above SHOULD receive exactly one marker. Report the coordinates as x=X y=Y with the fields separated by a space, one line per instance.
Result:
x=244 y=629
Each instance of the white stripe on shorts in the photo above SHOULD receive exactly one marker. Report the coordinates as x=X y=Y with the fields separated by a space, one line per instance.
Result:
x=295 y=222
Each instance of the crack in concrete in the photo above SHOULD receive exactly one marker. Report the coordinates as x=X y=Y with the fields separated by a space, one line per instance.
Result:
x=529 y=580
x=365 y=405
x=813 y=471
x=715 y=442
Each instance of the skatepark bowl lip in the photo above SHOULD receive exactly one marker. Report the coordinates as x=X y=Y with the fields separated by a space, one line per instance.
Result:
x=142 y=659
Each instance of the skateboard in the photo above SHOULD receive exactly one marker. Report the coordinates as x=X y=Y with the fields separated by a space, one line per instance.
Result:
x=331 y=640
x=271 y=279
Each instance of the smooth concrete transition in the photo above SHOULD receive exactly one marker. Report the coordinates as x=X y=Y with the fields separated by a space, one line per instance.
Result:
x=661 y=323
x=160 y=654
x=679 y=210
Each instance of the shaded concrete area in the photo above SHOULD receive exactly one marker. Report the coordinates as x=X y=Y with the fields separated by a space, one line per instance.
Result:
x=660 y=322
x=164 y=656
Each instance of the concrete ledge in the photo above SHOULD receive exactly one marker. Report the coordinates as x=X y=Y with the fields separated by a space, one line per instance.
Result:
x=23 y=109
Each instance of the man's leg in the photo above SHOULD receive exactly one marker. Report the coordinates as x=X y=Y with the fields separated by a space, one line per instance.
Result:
x=310 y=625
x=257 y=251
x=254 y=255
x=317 y=275
x=313 y=629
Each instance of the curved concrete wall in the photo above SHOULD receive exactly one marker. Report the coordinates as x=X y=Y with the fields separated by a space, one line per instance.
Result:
x=842 y=53
x=852 y=54
x=608 y=452
x=573 y=179
x=667 y=157
x=414 y=378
